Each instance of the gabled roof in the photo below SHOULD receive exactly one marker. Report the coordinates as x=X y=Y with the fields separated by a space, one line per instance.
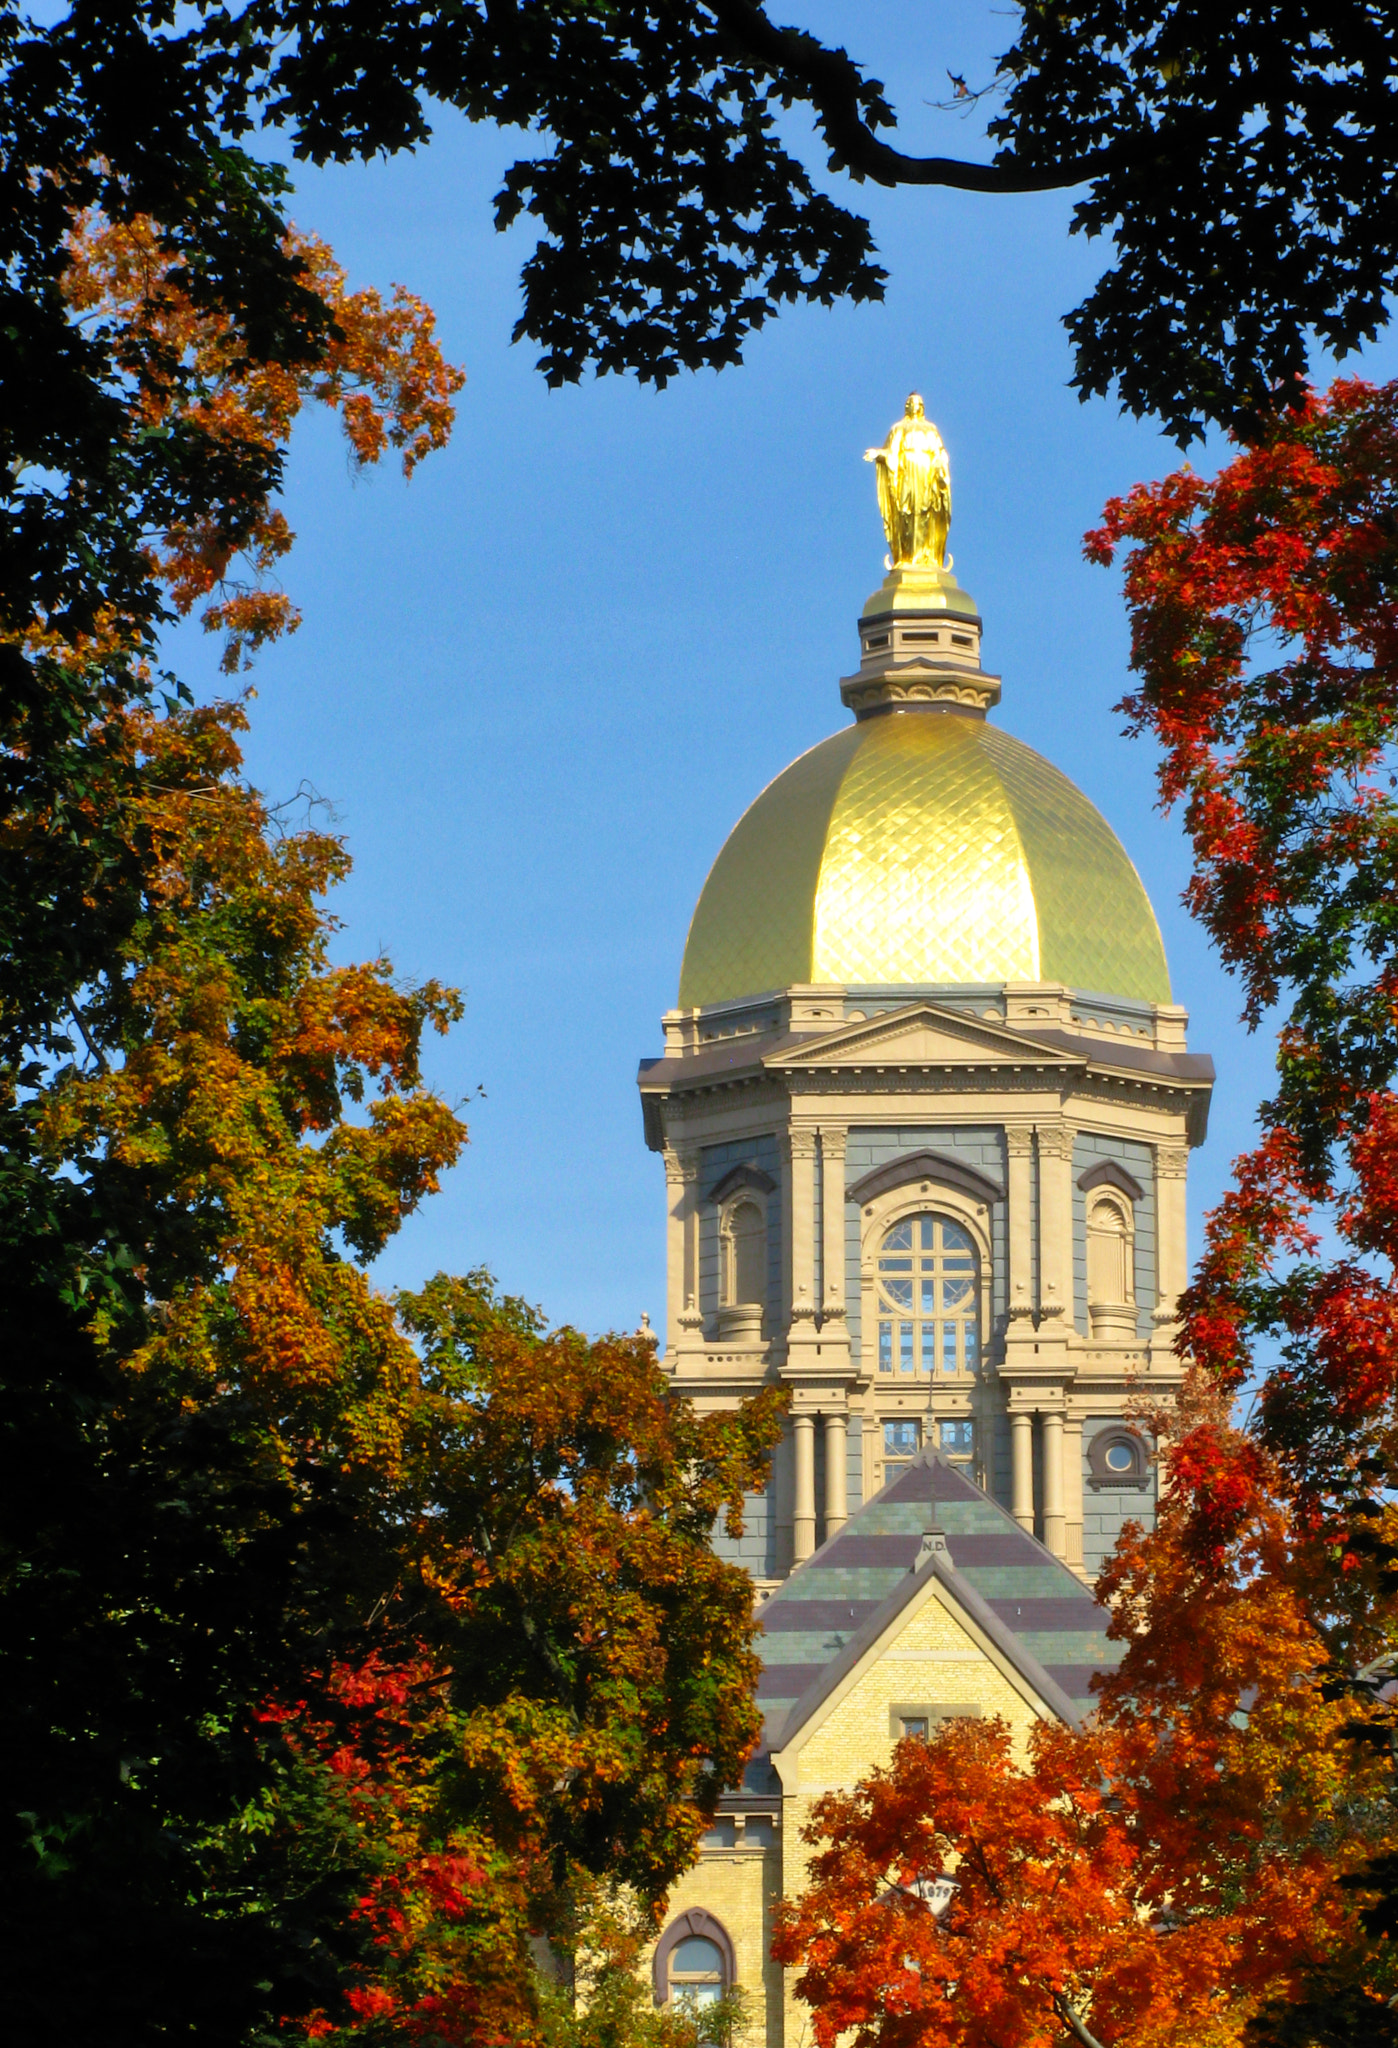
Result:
x=1011 y=1589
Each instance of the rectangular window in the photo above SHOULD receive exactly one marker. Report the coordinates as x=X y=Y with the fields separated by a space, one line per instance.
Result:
x=885 y=1347
x=904 y=1716
x=957 y=1439
x=948 y=1347
x=905 y=1347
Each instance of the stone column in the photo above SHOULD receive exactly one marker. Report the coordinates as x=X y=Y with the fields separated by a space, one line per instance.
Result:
x=1054 y=1518
x=832 y=1169
x=1056 y=1226
x=1072 y=1490
x=1022 y=1470
x=803 y=1520
x=836 y=1489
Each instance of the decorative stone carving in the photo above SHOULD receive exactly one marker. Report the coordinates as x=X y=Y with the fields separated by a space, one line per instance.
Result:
x=1056 y=1141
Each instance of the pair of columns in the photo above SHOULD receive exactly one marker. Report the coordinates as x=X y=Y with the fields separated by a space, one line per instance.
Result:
x=1062 y=1479
x=803 y=1520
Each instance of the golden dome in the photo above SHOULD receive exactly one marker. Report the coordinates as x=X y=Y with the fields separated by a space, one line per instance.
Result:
x=922 y=848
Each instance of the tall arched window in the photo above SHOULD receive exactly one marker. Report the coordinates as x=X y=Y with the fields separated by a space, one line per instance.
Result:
x=696 y=1972
x=744 y=1255
x=928 y=1300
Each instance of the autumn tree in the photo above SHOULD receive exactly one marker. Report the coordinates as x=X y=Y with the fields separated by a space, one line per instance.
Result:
x=342 y=1639
x=1157 y=1878
x=152 y=1554
x=1264 y=642
x=337 y=1635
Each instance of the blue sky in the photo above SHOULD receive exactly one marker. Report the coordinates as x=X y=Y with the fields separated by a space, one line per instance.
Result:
x=541 y=682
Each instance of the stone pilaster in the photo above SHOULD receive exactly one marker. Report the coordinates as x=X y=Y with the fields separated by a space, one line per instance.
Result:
x=1055 y=1227
x=682 y=1319
x=1019 y=1151
x=832 y=1170
x=800 y=1149
x=1171 y=1250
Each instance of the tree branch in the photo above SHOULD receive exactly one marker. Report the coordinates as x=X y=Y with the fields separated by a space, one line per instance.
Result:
x=832 y=83
x=77 y=1016
x=1064 y=2009
x=993 y=1885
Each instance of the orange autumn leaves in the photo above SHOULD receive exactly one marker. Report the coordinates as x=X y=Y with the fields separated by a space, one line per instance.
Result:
x=1265 y=646
x=221 y=1125
x=1152 y=1880
x=542 y=1672
x=382 y=371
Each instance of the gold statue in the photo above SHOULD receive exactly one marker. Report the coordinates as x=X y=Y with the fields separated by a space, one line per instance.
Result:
x=914 y=491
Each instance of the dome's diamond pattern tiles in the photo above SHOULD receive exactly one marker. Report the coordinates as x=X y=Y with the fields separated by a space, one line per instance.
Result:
x=1097 y=927
x=752 y=927
x=924 y=877
x=921 y=848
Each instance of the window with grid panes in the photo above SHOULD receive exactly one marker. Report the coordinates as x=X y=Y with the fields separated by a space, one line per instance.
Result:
x=901 y=1442
x=928 y=1301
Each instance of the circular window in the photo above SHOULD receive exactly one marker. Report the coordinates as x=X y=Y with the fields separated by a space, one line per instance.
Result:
x=1117 y=1457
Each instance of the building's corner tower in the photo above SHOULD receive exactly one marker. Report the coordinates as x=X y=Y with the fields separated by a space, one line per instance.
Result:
x=925 y=1104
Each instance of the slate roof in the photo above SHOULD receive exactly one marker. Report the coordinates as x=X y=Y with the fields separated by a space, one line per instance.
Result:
x=822 y=1619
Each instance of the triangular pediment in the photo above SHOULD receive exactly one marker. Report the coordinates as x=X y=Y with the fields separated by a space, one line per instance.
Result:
x=922 y=1035
x=931 y=1536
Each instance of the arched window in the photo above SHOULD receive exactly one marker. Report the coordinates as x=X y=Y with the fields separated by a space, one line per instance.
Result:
x=744 y=1255
x=928 y=1305
x=696 y=1971
x=693 y=1961
x=1110 y=1279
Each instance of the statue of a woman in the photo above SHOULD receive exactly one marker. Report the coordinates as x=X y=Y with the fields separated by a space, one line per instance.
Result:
x=914 y=490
